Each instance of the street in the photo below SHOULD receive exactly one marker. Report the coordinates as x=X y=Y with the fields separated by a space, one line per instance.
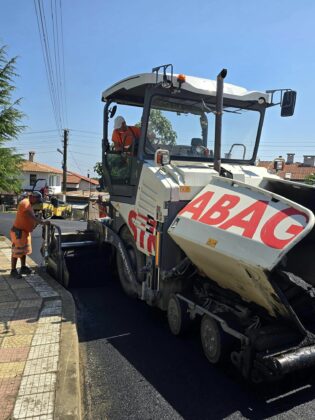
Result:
x=133 y=367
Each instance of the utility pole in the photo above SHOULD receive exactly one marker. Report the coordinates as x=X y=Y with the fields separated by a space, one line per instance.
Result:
x=64 y=166
x=88 y=175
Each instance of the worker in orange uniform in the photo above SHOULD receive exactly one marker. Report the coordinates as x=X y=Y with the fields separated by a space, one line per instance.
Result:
x=25 y=222
x=125 y=137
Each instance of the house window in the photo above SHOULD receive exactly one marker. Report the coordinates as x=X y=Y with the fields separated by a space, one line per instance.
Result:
x=54 y=180
x=32 y=179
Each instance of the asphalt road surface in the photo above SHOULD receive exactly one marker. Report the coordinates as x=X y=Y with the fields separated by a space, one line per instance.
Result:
x=133 y=368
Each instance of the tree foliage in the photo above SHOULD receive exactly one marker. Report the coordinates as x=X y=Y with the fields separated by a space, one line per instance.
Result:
x=310 y=179
x=161 y=128
x=98 y=168
x=10 y=117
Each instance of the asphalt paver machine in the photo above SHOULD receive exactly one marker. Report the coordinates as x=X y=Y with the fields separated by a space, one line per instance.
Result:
x=195 y=228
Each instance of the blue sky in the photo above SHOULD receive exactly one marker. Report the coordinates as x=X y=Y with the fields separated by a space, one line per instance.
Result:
x=263 y=44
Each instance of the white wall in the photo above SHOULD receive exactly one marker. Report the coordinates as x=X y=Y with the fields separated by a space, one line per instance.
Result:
x=53 y=181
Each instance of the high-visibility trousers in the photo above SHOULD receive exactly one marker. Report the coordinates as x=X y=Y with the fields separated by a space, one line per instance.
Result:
x=21 y=242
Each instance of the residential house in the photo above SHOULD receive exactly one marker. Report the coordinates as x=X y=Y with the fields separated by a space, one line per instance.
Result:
x=77 y=182
x=33 y=171
x=293 y=171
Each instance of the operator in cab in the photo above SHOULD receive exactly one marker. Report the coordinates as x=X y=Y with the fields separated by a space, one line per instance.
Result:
x=125 y=138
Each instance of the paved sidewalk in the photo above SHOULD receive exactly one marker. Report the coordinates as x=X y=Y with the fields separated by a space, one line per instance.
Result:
x=39 y=358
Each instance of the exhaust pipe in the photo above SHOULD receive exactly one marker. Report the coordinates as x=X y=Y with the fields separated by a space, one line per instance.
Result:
x=218 y=120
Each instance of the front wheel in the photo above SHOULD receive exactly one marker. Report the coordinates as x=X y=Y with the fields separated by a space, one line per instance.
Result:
x=137 y=260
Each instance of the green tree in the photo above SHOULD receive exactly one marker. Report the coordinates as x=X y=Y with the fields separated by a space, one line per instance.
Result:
x=98 y=168
x=10 y=117
x=161 y=128
x=310 y=179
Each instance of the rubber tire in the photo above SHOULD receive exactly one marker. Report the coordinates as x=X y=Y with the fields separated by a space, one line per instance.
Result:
x=177 y=316
x=211 y=336
x=137 y=260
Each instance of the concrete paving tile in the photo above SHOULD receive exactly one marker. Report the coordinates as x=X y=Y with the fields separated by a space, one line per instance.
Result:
x=34 y=384
x=4 y=286
x=45 y=350
x=51 y=311
x=11 y=369
x=47 y=328
x=9 y=305
x=47 y=294
x=26 y=293
x=23 y=327
x=26 y=313
x=7 y=296
x=56 y=319
x=53 y=303
x=17 y=341
x=14 y=355
x=6 y=312
x=34 y=405
x=31 y=303
x=3 y=251
x=6 y=408
x=6 y=251
x=40 y=339
x=18 y=284
x=35 y=280
x=9 y=386
x=43 y=365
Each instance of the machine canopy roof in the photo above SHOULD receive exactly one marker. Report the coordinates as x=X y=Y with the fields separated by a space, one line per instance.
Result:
x=133 y=88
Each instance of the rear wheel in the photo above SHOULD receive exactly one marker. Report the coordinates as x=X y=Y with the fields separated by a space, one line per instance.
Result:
x=137 y=260
x=212 y=339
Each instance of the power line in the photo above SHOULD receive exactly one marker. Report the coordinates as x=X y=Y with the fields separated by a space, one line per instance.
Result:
x=37 y=132
x=85 y=131
x=54 y=66
x=63 y=64
x=46 y=54
x=85 y=154
x=73 y=158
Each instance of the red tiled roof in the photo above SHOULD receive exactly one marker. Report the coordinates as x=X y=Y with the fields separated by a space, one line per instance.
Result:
x=28 y=166
x=74 y=178
x=297 y=170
